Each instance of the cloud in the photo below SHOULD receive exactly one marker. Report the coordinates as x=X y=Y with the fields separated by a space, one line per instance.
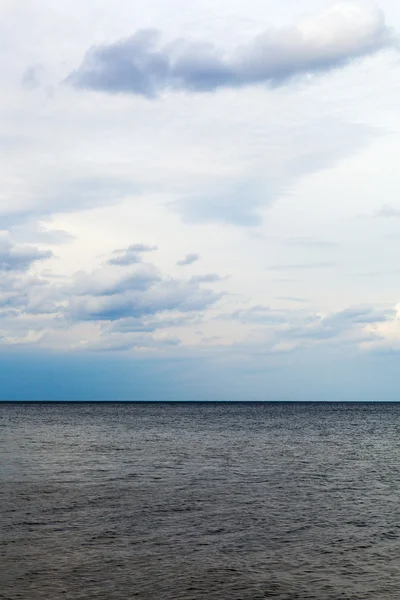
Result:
x=115 y=308
x=207 y=278
x=388 y=212
x=15 y=257
x=352 y=325
x=303 y=266
x=261 y=315
x=66 y=196
x=385 y=212
x=285 y=330
x=188 y=260
x=309 y=242
x=166 y=295
x=130 y=255
x=293 y=299
x=110 y=293
x=32 y=77
x=36 y=233
x=116 y=342
x=142 y=65
x=152 y=323
x=23 y=295
x=241 y=200
x=237 y=204
x=362 y=315
x=112 y=307
x=110 y=282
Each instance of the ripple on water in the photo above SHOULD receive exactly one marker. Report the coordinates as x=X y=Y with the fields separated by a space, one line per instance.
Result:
x=232 y=502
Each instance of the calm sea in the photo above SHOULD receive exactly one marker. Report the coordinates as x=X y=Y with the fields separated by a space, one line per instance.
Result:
x=190 y=501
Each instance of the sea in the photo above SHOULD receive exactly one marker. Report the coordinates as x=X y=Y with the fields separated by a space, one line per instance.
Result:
x=224 y=501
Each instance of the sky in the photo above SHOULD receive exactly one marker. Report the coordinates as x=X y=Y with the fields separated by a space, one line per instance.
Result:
x=199 y=201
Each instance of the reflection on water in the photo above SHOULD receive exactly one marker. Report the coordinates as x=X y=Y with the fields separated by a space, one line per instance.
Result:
x=232 y=502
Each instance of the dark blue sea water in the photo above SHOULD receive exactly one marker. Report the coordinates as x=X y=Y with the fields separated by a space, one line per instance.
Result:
x=193 y=501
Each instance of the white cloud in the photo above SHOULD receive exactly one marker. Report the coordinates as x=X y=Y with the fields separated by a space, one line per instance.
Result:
x=261 y=181
x=140 y=64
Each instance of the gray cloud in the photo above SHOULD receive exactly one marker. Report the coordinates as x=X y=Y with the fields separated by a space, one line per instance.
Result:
x=167 y=295
x=142 y=65
x=104 y=282
x=130 y=255
x=19 y=258
x=207 y=278
x=109 y=294
x=25 y=295
x=363 y=315
x=189 y=259
x=107 y=308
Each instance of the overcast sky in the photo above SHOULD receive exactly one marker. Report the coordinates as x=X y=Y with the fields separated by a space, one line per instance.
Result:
x=199 y=200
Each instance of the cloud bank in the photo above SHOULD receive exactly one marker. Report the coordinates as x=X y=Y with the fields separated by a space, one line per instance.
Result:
x=132 y=304
x=143 y=65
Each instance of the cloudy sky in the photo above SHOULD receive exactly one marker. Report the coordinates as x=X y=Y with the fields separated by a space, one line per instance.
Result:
x=199 y=200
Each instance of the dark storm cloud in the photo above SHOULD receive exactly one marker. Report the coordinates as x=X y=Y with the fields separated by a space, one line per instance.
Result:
x=142 y=65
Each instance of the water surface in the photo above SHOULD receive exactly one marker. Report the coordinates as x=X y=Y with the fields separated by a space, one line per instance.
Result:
x=196 y=501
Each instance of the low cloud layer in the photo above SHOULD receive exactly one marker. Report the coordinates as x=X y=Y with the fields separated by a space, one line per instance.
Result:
x=114 y=306
x=133 y=304
x=289 y=329
x=143 y=65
